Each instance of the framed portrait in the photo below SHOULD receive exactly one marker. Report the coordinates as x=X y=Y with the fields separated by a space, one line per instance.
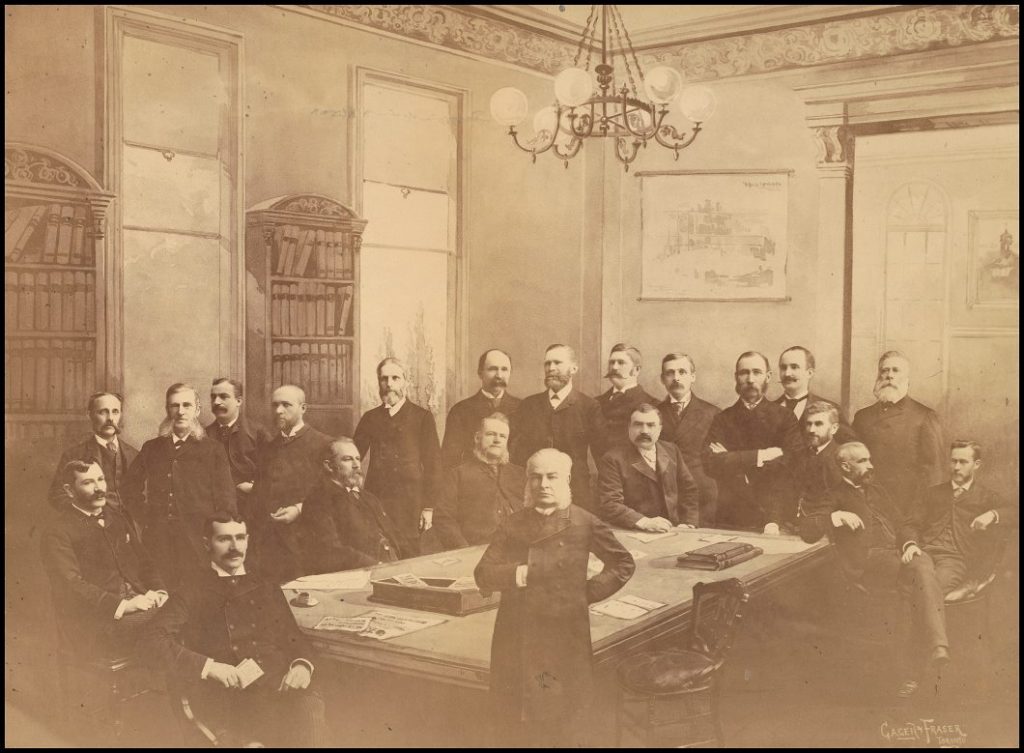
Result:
x=714 y=236
x=993 y=278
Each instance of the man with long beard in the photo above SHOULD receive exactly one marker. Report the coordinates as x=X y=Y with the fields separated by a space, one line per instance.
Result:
x=751 y=449
x=904 y=436
x=404 y=455
x=105 y=447
x=494 y=369
x=561 y=417
x=481 y=492
x=179 y=479
x=541 y=654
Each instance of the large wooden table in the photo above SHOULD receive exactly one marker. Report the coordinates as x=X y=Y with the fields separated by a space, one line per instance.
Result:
x=458 y=651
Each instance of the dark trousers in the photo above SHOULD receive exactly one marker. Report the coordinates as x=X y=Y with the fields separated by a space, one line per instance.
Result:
x=290 y=719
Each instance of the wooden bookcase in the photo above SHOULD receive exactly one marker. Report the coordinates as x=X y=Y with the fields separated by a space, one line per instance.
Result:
x=302 y=306
x=54 y=316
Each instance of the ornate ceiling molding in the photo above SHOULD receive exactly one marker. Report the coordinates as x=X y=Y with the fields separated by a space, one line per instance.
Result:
x=895 y=33
x=890 y=32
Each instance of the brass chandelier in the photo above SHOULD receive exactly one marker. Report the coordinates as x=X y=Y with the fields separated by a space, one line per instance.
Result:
x=612 y=112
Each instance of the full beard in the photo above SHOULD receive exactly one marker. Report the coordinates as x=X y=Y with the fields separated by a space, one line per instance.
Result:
x=555 y=382
x=889 y=392
x=483 y=457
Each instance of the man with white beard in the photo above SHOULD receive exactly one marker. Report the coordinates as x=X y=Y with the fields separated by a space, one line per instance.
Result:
x=404 y=456
x=178 y=480
x=904 y=436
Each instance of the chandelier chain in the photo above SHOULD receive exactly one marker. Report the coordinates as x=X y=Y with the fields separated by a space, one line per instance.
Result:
x=617 y=26
x=591 y=22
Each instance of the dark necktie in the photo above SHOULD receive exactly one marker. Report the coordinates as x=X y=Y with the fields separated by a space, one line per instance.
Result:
x=678 y=408
x=614 y=396
x=354 y=492
x=110 y=456
x=958 y=492
x=179 y=443
x=791 y=403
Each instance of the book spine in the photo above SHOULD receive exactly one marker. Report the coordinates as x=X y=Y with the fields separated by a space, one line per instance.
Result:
x=42 y=376
x=52 y=231
x=275 y=366
x=67 y=301
x=41 y=297
x=13 y=346
x=305 y=252
x=26 y=310
x=78 y=235
x=56 y=301
x=90 y=301
x=68 y=400
x=346 y=311
x=332 y=270
x=294 y=302
x=345 y=373
x=11 y=297
x=319 y=244
x=321 y=305
x=80 y=301
x=55 y=390
x=67 y=217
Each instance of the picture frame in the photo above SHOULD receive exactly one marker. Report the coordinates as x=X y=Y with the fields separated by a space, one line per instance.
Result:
x=993 y=253
x=719 y=235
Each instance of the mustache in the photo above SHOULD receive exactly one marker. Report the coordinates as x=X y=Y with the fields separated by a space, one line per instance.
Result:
x=112 y=425
x=499 y=381
x=648 y=437
x=790 y=379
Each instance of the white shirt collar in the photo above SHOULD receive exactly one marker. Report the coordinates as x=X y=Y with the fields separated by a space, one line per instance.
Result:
x=683 y=403
x=489 y=396
x=751 y=406
x=111 y=443
x=228 y=426
x=393 y=409
x=562 y=394
x=222 y=573
x=176 y=439
x=851 y=483
x=819 y=449
x=966 y=487
x=88 y=513
x=651 y=455
x=798 y=399
x=627 y=386
x=295 y=429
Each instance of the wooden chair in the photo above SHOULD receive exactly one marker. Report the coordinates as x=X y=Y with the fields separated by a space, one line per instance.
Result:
x=670 y=698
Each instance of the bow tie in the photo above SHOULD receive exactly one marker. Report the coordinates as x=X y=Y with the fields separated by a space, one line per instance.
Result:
x=791 y=402
x=179 y=443
x=958 y=491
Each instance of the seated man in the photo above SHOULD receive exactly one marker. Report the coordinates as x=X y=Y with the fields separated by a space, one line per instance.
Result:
x=104 y=585
x=818 y=472
x=481 y=492
x=343 y=526
x=208 y=629
x=645 y=484
x=952 y=529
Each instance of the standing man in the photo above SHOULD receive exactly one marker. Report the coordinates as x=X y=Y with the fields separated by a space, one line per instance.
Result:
x=405 y=456
x=625 y=394
x=104 y=447
x=241 y=439
x=796 y=368
x=178 y=480
x=646 y=484
x=289 y=466
x=685 y=420
x=750 y=449
x=482 y=492
x=494 y=369
x=563 y=418
x=104 y=585
x=229 y=616
x=345 y=527
x=904 y=436
x=541 y=655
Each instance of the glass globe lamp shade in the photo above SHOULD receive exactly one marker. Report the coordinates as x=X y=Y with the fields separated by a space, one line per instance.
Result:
x=545 y=123
x=662 y=84
x=573 y=87
x=697 y=103
x=509 y=106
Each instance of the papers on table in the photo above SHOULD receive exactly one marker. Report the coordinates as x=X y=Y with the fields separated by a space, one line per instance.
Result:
x=447 y=561
x=350 y=580
x=380 y=624
x=465 y=583
x=647 y=538
x=248 y=672
x=715 y=538
x=343 y=624
x=408 y=579
x=626 y=607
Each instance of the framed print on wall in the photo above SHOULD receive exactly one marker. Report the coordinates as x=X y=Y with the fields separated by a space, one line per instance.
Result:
x=714 y=235
x=993 y=279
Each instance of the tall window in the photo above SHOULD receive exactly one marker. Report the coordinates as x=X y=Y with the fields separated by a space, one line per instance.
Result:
x=174 y=166
x=409 y=182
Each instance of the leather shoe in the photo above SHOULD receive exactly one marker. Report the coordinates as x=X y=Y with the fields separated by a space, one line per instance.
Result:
x=939 y=657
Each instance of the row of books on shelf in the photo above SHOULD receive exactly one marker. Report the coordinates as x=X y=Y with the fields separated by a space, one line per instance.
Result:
x=312 y=252
x=310 y=309
x=48 y=234
x=323 y=369
x=55 y=301
x=48 y=375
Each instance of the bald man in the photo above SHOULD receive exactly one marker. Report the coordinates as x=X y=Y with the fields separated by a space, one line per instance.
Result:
x=287 y=468
x=179 y=479
x=904 y=436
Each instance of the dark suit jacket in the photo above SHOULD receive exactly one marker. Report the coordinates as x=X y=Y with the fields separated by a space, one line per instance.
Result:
x=748 y=496
x=405 y=462
x=340 y=532
x=477 y=499
x=89 y=451
x=906 y=447
x=192 y=484
x=845 y=433
x=241 y=443
x=880 y=515
x=630 y=490
x=817 y=475
x=576 y=426
x=937 y=516
x=213 y=618
x=541 y=655
x=616 y=413
x=688 y=432
x=464 y=421
x=91 y=568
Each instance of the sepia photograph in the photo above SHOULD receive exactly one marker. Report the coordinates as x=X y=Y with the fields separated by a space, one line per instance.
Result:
x=498 y=376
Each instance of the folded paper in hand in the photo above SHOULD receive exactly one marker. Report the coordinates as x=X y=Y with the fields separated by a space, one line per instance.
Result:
x=248 y=672
x=718 y=556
